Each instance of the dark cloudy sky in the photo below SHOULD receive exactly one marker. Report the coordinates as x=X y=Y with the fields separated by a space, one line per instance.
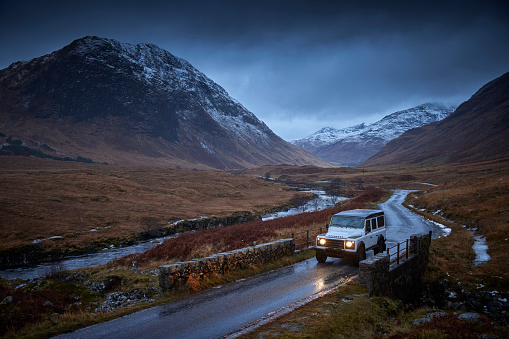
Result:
x=297 y=65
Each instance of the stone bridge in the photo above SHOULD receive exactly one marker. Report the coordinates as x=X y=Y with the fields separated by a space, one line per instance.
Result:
x=397 y=280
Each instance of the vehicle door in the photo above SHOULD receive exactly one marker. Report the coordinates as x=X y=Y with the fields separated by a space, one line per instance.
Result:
x=370 y=239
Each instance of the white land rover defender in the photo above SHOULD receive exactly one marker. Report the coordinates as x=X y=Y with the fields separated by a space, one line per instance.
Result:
x=352 y=233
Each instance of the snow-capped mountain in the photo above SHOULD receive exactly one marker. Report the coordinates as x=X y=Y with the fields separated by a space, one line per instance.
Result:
x=352 y=145
x=134 y=105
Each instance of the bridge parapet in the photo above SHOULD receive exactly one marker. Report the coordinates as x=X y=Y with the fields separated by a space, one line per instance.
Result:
x=401 y=280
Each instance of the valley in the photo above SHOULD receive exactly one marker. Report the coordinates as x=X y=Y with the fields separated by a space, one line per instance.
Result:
x=451 y=256
x=71 y=208
x=105 y=143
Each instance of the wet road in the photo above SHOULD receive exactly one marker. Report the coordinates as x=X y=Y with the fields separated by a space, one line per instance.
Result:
x=401 y=222
x=230 y=309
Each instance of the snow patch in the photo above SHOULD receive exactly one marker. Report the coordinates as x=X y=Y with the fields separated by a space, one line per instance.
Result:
x=36 y=241
x=172 y=74
x=446 y=230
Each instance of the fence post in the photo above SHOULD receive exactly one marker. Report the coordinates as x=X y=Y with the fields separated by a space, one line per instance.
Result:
x=397 y=260
x=407 y=248
x=293 y=235
x=307 y=238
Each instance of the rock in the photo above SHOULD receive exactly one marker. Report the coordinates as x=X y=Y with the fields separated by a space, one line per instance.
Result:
x=473 y=304
x=47 y=303
x=469 y=316
x=420 y=321
x=436 y=314
x=488 y=336
x=456 y=305
x=494 y=306
x=7 y=300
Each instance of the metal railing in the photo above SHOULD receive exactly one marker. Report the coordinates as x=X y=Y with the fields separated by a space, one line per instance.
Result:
x=403 y=250
x=306 y=239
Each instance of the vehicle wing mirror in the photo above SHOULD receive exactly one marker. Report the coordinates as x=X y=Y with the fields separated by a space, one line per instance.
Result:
x=327 y=226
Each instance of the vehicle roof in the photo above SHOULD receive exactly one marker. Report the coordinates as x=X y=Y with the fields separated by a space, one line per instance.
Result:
x=360 y=213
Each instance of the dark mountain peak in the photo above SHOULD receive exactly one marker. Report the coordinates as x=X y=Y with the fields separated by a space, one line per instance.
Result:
x=499 y=84
x=130 y=104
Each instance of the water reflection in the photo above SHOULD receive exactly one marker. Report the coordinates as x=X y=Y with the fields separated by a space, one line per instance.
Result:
x=322 y=201
x=73 y=263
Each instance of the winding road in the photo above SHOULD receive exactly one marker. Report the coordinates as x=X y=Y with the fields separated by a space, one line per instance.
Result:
x=232 y=309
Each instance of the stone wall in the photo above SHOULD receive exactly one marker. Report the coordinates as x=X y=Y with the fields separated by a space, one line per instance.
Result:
x=398 y=281
x=172 y=276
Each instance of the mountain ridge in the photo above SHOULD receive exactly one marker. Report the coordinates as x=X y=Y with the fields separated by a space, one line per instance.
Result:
x=352 y=145
x=477 y=130
x=131 y=104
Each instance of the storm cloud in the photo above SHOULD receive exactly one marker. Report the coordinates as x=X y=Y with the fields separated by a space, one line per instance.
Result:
x=297 y=65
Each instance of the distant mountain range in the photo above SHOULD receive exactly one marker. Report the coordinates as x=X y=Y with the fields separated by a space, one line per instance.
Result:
x=105 y=101
x=477 y=130
x=352 y=145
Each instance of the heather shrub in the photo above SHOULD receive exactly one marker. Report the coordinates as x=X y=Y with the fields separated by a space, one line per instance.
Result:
x=209 y=241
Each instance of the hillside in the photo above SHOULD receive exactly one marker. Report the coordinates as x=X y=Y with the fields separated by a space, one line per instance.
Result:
x=352 y=145
x=478 y=130
x=127 y=104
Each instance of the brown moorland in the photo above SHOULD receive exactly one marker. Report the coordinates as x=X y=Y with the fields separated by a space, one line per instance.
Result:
x=62 y=289
x=470 y=199
x=471 y=206
x=87 y=203
x=478 y=187
x=83 y=203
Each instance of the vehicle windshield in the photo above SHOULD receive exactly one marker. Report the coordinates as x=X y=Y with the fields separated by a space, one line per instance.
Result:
x=352 y=222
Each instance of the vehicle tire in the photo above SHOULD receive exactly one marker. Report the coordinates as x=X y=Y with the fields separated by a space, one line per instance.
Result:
x=361 y=253
x=381 y=245
x=321 y=256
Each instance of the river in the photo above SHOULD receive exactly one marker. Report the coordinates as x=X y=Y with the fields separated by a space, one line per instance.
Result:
x=321 y=201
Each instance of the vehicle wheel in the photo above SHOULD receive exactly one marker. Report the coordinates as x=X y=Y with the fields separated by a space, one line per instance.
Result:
x=321 y=256
x=361 y=253
x=381 y=245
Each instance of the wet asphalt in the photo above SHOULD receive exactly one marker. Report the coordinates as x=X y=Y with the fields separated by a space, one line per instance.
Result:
x=231 y=309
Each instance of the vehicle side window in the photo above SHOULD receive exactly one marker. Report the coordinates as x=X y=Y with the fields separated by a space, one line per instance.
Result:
x=381 y=221
x=373 y=224
x=368 y=226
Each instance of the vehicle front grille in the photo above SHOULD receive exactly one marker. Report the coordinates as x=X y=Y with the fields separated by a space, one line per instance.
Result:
x=335 y=243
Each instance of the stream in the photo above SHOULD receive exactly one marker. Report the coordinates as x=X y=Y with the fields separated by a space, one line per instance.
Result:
x=40 y=270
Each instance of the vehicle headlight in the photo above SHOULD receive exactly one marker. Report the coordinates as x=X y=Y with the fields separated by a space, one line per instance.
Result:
x=350 y=244
x=322 y=242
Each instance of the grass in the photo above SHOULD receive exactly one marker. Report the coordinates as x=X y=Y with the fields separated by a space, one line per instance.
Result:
x=468 y=198
x=477 y=205
x=92 y=206
x=473 y=195
x=120 y=275
x=350 y=313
